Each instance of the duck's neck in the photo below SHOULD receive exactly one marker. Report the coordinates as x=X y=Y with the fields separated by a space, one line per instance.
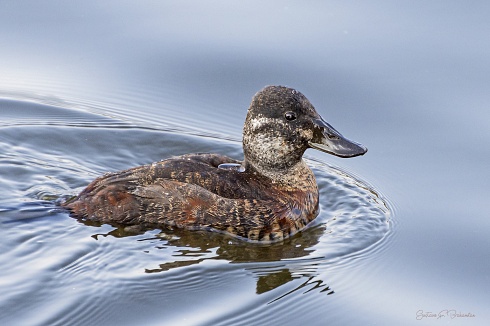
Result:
x=299 y=173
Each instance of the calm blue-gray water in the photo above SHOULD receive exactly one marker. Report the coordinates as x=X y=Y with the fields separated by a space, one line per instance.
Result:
x=88 y=87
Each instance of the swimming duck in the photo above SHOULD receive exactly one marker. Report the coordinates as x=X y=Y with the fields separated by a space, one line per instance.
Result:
x=269 y=196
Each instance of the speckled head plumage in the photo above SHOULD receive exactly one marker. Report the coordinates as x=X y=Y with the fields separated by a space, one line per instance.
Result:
x=277 y=128
x=281 y=124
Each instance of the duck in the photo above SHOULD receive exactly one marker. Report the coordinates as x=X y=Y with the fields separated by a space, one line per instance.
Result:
x=269 y=196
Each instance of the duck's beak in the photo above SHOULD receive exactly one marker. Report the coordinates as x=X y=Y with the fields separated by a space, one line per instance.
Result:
x=329 y=140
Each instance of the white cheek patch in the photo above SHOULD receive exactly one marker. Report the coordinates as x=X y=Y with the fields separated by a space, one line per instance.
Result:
x=261 y=121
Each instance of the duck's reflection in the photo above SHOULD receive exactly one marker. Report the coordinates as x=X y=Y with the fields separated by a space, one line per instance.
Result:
x=268 y=282
x=193 y=247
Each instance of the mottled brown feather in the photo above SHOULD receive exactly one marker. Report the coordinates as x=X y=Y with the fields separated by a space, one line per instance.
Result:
x=190 y=191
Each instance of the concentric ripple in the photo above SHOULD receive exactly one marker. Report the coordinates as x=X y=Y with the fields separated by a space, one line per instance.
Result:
x=70 y=271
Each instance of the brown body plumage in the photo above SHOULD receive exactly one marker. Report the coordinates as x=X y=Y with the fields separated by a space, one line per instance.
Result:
x=269 y=196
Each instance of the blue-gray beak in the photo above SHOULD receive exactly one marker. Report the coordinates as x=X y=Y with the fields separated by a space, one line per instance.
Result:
x=329 y=140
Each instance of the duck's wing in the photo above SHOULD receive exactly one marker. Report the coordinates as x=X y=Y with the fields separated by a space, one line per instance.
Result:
x=183 y=205
x=114 y=196
x=201 y=170
x=190 y=206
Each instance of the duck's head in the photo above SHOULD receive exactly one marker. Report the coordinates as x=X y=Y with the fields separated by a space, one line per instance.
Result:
x=282 y=124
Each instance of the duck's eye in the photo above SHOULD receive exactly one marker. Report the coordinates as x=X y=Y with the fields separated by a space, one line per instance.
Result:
x=290 y=116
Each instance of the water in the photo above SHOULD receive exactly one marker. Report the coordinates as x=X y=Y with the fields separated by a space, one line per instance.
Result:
x=402 y=238
x=96 y=263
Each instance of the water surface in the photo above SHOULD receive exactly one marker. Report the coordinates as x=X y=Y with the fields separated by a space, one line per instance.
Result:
x=87 y=88
x=92 y=264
